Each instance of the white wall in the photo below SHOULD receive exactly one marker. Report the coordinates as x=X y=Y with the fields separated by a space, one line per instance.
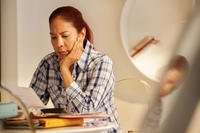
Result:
x=9 y=42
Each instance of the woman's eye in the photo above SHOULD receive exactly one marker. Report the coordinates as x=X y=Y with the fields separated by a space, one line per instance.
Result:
x=64 y=36
x=53 y=37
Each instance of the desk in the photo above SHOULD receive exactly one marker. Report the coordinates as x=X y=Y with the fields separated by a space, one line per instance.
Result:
x=75 y=129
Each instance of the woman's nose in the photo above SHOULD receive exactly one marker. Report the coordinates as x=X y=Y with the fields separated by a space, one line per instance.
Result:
x=60 y=42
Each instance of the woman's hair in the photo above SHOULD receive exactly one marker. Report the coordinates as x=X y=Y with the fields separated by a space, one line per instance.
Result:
x=71 y=14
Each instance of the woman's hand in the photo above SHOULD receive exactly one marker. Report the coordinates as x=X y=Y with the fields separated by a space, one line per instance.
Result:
x=66 y=63
x=74 y=55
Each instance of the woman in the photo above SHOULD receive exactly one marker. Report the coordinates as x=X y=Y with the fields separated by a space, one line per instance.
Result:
x=75 y=76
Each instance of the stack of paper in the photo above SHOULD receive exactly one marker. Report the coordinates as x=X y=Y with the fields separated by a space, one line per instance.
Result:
x=25 y=94
x=43 y=123
x=54 y=120
x=40 y=119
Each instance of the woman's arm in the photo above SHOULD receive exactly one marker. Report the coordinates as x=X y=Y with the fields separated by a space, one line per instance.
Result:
x=39 y=81
x=66 y=64
x=98 y=90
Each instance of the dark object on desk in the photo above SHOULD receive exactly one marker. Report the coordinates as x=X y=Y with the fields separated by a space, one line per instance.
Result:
x=53 y=110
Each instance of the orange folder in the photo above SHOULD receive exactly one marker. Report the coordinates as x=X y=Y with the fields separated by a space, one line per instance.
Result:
x=59 y=122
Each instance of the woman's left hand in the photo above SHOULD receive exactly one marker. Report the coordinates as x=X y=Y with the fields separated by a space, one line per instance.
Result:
x=74 y=55
x=68 y=61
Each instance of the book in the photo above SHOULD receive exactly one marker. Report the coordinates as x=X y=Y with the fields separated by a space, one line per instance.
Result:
x=8 y=110
x=61 y=113
x=59 y=122
x=83 y=115
x=52 y=120
x=24 y=94
x=27 y=93
x=20 y=124
x=43 y=123
x=43 y=117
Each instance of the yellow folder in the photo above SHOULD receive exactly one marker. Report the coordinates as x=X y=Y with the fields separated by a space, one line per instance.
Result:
x=59 y=122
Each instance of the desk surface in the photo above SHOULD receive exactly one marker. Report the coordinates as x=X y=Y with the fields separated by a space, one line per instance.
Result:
x=76 y=129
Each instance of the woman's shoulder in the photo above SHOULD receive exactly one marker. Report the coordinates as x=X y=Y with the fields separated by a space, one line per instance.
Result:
x=49 y=58
x=97 y=57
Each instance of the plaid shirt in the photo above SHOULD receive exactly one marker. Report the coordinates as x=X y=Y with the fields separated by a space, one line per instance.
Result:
x=91 y=90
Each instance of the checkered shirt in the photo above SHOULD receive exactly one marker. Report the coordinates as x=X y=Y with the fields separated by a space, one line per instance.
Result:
x=91 y=90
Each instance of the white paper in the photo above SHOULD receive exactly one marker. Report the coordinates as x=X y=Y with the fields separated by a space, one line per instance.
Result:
x=27 y=96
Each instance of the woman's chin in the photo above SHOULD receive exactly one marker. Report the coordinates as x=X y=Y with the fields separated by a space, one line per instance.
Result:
x=62 y=55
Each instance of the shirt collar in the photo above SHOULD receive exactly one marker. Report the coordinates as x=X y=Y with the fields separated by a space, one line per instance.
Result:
x=82 y=62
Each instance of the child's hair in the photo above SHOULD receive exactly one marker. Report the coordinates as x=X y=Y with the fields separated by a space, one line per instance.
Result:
x=179 y=62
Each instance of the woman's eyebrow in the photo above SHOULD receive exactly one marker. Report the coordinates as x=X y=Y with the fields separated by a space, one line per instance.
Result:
x=59 y=33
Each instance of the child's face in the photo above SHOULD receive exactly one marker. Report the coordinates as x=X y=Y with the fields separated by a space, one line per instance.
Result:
x=170 y=81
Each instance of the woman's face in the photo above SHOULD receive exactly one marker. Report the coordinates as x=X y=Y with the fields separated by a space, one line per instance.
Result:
x=63 y=36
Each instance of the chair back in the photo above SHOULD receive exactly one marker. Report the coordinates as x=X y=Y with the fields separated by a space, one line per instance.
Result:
x=131 y=99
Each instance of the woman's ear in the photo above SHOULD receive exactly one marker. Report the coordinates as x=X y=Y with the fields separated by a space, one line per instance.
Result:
x=82 y=34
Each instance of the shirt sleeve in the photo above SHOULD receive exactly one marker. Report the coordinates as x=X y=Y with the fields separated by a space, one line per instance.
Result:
x=99 y=88
x=39 y=82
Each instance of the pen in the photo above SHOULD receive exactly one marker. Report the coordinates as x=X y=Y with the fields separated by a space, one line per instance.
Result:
x=151 y=40
x=140 y=43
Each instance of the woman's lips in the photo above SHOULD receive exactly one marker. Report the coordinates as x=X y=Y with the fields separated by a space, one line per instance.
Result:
x=63 y=53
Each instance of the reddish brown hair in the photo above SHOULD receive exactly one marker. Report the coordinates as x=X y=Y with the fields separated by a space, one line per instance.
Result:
x=71 y=14
x=179 y=62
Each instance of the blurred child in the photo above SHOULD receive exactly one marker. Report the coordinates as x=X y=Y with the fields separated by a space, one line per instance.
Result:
x=173 y=76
